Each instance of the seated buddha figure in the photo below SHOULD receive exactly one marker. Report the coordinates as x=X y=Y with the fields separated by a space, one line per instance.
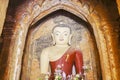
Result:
x=61 y=53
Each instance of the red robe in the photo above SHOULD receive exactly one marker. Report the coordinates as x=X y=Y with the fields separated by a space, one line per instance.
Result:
x=70 y=58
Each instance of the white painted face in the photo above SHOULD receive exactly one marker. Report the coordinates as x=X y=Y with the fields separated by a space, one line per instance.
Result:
x=61 y=35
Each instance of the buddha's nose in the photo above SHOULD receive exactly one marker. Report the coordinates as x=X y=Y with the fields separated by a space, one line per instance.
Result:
x=61 y=36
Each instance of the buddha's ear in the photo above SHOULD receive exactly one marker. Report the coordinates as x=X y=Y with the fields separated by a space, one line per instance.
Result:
x=71 y=35
x=70 y=38
x=53 y=39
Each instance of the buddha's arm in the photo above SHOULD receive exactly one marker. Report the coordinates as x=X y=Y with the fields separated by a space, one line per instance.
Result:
x=79 y=62
x=44 y=62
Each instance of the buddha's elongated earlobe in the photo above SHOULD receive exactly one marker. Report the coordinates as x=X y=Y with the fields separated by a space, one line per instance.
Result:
x=54 y=43
x=70 y=38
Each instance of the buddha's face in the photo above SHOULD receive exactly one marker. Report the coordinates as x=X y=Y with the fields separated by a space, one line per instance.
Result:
x=61 y=35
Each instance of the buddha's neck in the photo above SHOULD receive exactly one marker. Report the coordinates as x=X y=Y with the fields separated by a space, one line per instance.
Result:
x=57 y=45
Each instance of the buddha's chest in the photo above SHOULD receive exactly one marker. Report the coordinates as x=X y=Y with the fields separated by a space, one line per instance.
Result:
x=66 y=63
x=57 y=54
x=66 y=57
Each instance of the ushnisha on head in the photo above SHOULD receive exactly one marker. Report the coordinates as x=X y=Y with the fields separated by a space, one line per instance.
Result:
x=61 y=34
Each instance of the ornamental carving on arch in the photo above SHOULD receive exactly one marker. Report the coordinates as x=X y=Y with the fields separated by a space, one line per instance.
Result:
x=35 y=7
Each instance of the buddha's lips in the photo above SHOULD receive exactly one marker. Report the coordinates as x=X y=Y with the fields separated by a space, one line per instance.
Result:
x=61 y=39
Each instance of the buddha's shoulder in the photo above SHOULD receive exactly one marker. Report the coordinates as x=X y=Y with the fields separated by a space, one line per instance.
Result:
x=48 y=49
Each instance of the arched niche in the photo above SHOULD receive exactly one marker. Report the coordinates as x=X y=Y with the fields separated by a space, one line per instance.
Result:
x=39 y=37
x=28 y=13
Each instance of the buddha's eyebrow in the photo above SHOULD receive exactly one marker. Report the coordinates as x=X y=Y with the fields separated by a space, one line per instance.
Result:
x=65 y=31
x=57 y=31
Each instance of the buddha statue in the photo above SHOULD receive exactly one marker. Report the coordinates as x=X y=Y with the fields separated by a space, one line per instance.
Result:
x=61 y=53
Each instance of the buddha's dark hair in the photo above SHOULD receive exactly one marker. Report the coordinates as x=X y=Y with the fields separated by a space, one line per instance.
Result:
x=62 y=25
